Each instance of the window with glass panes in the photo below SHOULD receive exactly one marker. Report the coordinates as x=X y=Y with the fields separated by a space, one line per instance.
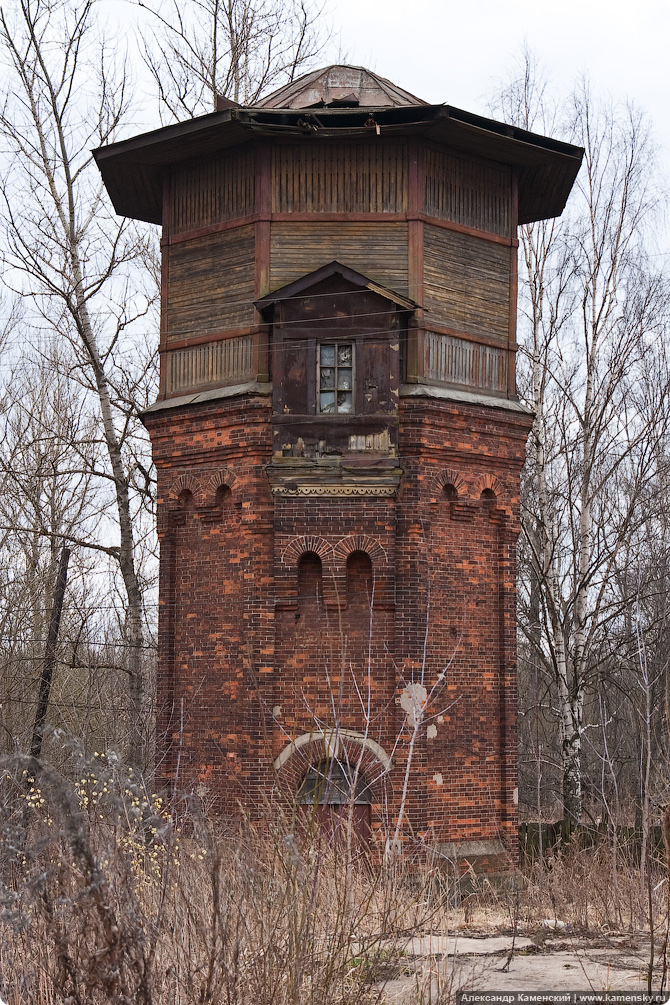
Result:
x=336 y=377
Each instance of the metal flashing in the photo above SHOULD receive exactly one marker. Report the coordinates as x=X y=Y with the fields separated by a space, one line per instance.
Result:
x=213 y=394
x=463 y=397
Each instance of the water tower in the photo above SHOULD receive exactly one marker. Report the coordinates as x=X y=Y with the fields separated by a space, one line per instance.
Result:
x=338 y=445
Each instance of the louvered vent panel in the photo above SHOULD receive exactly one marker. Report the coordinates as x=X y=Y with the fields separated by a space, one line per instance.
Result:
x=214 y=364
x=452 y=360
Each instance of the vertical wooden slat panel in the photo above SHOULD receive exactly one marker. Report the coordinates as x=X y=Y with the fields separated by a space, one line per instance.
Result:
x=344 y=178
x=513 y=285
x=262 y=254
x=468 y=192
x=213 y=190
x=415 y=244
x=451 y=360
x=213 y=364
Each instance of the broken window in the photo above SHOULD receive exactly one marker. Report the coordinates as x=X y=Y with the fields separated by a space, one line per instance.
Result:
x=333 y=783
x=336 y=378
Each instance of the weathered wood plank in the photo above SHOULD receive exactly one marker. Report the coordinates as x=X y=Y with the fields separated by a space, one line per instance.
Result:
x=213 y=190
x=213 y=364
x=469 y=192
x=211 y=284
x=466 y=283
x=377 y=250
x=342 y=178
x=452 y=360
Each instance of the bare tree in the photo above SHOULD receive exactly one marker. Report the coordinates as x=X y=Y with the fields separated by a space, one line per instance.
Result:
x=50 y=448
x=205 y=49
x=596 y=378
x=67 y=256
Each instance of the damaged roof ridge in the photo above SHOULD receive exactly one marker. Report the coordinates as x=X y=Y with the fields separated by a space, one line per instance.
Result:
x=367 y=80
x=250 y=116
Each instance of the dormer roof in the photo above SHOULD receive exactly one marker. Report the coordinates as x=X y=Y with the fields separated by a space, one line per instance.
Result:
x=302 y=286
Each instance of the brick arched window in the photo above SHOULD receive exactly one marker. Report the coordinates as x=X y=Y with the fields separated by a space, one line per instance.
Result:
x=359 y=579
x=310 y=577
x=333 y=783
x=332 y=793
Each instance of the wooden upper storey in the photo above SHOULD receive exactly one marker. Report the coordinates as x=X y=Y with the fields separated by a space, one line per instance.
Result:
x=423 y=200
x=430 y=224
x=380 y=177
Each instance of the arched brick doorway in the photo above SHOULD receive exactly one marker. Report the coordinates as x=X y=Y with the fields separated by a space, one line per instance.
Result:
x=331 y=793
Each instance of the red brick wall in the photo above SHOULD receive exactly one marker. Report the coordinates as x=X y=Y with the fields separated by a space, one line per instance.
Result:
x=246 y=664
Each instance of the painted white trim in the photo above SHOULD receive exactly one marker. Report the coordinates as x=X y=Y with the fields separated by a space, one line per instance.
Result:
x=330 y=738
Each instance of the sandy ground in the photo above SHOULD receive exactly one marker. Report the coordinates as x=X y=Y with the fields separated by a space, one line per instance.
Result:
x=438 y=966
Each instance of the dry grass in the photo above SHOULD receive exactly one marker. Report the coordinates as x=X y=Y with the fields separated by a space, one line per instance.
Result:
x=600 y=886
x=105 y=898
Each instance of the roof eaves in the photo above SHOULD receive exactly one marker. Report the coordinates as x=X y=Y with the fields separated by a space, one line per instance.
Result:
x=156 y=137
x=515 y=133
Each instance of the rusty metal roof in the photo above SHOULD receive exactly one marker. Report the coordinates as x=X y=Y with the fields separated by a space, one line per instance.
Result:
x=339 y=86
x=133 y=169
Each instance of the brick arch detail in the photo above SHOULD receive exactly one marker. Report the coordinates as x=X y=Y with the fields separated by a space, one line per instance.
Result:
x=224 y=476
x=360 y=542
x=309 y=749
x=489 y=481
x=449 y=476
x=299 y=545
x=186 y=482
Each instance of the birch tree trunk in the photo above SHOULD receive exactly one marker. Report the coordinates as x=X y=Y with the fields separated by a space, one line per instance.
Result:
x=593 y=313
x=64 y=248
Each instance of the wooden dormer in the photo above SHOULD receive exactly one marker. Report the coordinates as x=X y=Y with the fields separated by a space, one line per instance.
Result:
x=336 y=363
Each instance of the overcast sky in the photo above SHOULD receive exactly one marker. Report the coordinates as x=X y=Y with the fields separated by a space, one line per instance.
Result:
x=452 y=51
x=455 y=52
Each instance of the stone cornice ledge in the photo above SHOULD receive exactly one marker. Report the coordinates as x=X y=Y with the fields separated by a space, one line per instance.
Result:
x=465 y=397
x=328 y=476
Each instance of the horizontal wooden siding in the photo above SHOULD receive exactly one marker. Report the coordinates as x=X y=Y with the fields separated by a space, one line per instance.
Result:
x=466 y=283
x=377 y=250
x=211 y=284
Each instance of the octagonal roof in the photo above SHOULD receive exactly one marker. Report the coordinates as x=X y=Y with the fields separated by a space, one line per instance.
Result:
x=339 y=86
x=338 y=103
